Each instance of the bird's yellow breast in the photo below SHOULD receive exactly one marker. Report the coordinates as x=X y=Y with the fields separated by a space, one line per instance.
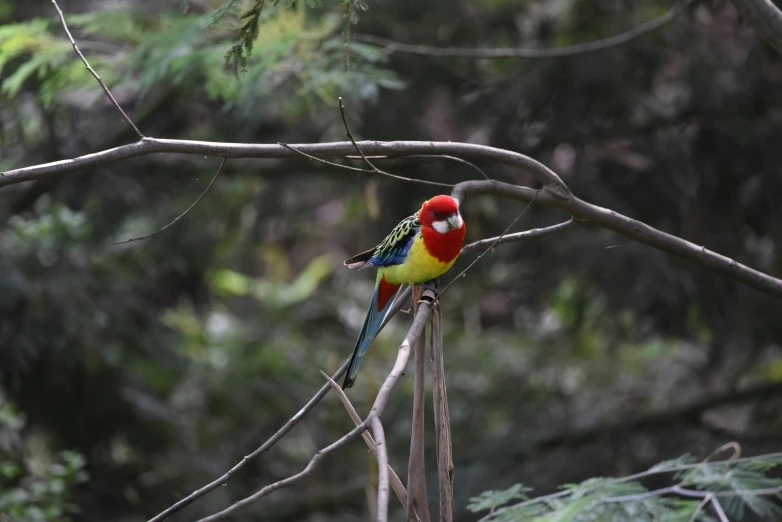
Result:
x=419 y=266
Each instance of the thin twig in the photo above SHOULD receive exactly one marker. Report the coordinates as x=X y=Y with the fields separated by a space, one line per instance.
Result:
x=183 y=214
x=388 y=385
x=376 y=171
x=442 y=427
x=382 y=469
x=430 y=156
x=515 y=52
x=259 y=451
x=533 y=232
x=495 y=242
x=698 y=509
x=416 y=465
x=92 y=71
x=350 y=136
x=396 y=482
x=718 y=509
x=374 y=168
x=352 y=434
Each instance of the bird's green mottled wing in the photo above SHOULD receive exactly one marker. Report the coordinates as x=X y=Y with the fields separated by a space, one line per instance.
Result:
x=393 y=249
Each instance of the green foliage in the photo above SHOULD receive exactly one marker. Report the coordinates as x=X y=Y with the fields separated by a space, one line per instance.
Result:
x=236 y=56
x=36 y=489
x=37 y=54
x=228 y=282
x=174 y=49
x=737 y=484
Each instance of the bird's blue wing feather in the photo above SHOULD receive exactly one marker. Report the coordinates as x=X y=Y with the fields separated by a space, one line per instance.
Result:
x=378 y=309
x=394 y=248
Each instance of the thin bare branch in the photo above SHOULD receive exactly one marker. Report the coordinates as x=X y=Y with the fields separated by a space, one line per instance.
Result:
x=558 y=196
x=518 y=236
x=495 y=241
x=718 y=509
x=396 y=482
x=352 y=434
x=765 y=18
x=698 y=509
x=388 y=385
x=442 y=427
x=633 y=229
x=350 y=136
x=183 y=214
x=515 y=52
x=361 y=153
x=92 y=71
x=259 y=451
x=376 y=171
x=416 y=465
x=382 y=468
x=432 y=156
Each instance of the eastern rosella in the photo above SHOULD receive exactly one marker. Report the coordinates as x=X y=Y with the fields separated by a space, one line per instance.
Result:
x=420 y=248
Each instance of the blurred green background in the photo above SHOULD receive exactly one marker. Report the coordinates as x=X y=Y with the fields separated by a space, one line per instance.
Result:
x=132 y=374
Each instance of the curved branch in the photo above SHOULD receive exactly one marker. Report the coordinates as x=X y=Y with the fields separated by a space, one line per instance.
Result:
x=556 y=194
x=183 y=214
x=332 y=150
x=262 y=449
x=632 y=229
x=424 y=312
x=765 y=18
x=515 y=52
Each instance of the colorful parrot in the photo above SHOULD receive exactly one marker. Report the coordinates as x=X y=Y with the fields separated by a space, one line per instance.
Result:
x=420 y=248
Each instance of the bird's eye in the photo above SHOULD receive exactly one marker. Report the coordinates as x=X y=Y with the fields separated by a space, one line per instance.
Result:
x=437 y=215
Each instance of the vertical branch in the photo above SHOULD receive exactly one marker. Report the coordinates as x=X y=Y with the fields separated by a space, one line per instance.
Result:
x=382 y=469
x=416 y=469
x=396 y=483
x=441 y=419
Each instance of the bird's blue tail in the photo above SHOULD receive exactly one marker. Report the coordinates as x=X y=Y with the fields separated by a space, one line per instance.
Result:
x=378 y=309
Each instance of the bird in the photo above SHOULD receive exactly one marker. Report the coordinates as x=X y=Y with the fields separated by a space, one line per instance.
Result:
x=420 y=248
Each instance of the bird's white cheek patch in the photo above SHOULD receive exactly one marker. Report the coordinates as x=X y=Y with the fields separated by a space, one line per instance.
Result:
x=441 y=226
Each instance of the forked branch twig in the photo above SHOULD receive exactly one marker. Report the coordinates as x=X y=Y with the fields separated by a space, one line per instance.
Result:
x=92 y=71
x=396 y=483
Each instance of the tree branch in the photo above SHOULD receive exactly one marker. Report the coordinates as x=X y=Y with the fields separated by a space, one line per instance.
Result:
x=92 y=71
x=424 y=312
x=382 y=468
x=557 y=195
x=396 y=483
x=331 y=150
x=515 y=52
x=262 y=449
x=632 y=229
x=416 y=464
x=370 y=171
x=765 y=18
x=442 y=426
x=517 y=236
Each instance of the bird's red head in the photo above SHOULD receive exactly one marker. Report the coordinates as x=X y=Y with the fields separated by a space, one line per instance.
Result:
x=442 y=214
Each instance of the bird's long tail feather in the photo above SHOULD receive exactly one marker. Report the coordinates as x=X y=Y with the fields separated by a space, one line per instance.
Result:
x=378 y=309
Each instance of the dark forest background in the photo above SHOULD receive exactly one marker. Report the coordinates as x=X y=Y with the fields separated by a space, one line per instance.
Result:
x=132 y=374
